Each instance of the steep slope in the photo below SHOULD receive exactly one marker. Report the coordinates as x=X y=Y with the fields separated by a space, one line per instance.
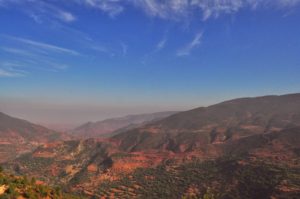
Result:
x=280 y=146
x=62 y=162
x=21 y=187
x=257 y=166
x=99 y=168
x=215 y=124
x=115 y=125
x=18 y=136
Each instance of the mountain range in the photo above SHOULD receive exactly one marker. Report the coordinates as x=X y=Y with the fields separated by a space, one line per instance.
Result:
x=114 y=126
x=215 y=124
x=243 y=148
x=207 y=152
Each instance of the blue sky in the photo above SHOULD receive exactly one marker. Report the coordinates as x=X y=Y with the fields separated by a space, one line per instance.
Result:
x=78 y=60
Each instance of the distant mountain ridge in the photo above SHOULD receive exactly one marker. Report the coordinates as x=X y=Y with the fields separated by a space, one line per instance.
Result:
x=22 y=128
x=18 y=136
x=218 y=123
x=116 y=125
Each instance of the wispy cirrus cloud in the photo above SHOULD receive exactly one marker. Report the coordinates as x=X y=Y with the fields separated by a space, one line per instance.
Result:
x=162 y=43
x=7 y=73
x=66 y=16
x=10 y=69
x=111 y=7
x=184 y=9
x=42 y=45
x=17 y=51
x=186 y=50
x=102 y=49
x=28 y=55
x=40 y=10
x=24 y=66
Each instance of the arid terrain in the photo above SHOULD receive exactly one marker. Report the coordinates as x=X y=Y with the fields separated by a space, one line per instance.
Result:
x=243 y=148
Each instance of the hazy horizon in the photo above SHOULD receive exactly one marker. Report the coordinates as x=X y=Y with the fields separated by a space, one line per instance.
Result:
x=68 y=116
x=69 y=62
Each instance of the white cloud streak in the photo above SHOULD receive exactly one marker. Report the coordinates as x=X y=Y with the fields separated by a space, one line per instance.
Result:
x=161 y=44
x=5 y=73
x=40 y=10
x=17 y=51
x=66 y=16
x=111 y=7
x=31 y=55
x=186 y=50
x=166 y=9
x=183 y=9
x=44 y=46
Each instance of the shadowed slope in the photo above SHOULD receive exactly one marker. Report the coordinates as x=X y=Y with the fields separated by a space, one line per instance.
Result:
x=215 y=124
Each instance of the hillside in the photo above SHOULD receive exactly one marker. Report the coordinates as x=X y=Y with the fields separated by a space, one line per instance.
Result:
x=19 y=136
x=215 y=124
x=99 y=168
x=20 y=187
x=64 y=161
x=227 y=178
x=244 y=148
x=116 y=125
x=280 y=146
